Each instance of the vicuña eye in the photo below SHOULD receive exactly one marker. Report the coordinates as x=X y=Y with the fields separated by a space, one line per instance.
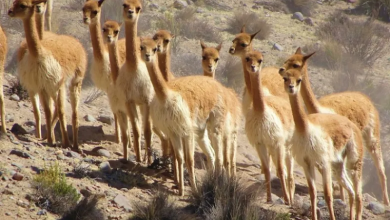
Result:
x=116 y=32
x=142 y=48
x=244 y=45
x=299 y=81
x=285 y=79
x=166 y=41
x=216 y=60
x=203 y=58
x=247 y=59
x=295 y=65
x=95 y=12
x=260 y=61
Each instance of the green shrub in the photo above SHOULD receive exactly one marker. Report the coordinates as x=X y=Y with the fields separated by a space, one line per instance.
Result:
x=253 y=23
x=53 y=192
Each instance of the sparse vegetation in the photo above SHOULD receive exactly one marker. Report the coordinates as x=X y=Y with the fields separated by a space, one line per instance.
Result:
x=306 y=7
x=161 y=206
x=377 y=9
x=94 y=94
x=230 y=73
x=220 y=197
x=86 y=209
x=52 y=191
x=253 y=23
x=15 y=87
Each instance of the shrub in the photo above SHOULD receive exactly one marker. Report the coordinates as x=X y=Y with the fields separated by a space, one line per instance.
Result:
x=221 y=197
x=230 y=73
x=377 y=9
x=252 y=22
x=306 y=7
x=94 y=94
x=364 y=40
x=186 y=64
x=53 y=192
x=15 y=87
x=86 y=209
x=161 y=206
x=274 y=6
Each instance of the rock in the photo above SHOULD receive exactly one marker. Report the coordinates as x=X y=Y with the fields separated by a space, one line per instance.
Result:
x=9 y=118
x=89 y=118
x=179 y=4
x=30 y=123
x=298 y=16
x=376 y=207
x=42 y=212
x=104 y=153
x=61 y=157
x=321 y=203
x=105 y=167
x=17 y=165
x=368 y=198
x=309 y=21
x=153 y=6
x=110 y=193
x=18 y=176
x=199 y=10
x=15 y=97
x=106 y=119
x=8 y=192
x=73 y=154
x=339 y=202
x=256 y=7
x=17 y=129
x=21 y=154
x=277 y=47
x=8 y=214
x=22 y=204
x=122 y=202
x=88 y=160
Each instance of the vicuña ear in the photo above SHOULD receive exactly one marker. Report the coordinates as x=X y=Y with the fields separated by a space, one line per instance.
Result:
x=100 y=2
x=243 y=29
x=120 y=24
x=306 y=57
x=298 y=51
x=254 y=35
x=202 y=45
x=36 y=2
x=219 y=47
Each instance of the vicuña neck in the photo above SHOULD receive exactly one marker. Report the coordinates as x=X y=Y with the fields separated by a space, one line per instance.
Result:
x=32 y=38
x=40 y=23
x=132 y=45
x=300 y=117
x=114 y=60
x=257 y=93
x=158 y=81
x=97 y=40
x=210 y=74
x=312 y=104
x=164 y=62
x=247 y=77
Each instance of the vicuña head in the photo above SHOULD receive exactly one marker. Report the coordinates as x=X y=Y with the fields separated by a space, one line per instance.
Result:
x=292 y=81
x=41 y=8
x=254 y=62
x=163 y=39
x=148 y=50
x=296 y=61
x=131 y=10
x=24 y=8
x=242 y=43
x=210 y=58
x=91 y=11
x=111 y=31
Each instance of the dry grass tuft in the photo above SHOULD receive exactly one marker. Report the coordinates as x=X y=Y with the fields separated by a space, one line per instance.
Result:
x=15 y=87
x=377 y=9
x=52 y=191
x=161 y=206
x=93 y=95
x=86 y=209
x=253 y=23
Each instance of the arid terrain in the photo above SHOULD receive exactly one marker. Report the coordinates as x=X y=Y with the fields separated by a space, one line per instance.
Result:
x=99 y=169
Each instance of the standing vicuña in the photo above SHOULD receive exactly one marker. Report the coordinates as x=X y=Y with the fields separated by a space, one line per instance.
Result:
x=46 y=68
x=329 y=142
x=356 y=106
x=3 y=55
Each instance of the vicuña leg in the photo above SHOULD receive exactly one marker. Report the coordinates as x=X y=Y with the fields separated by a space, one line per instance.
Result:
x=124 y=127
x=205 y=144
x=62 y=117
x=147 y=124
x=117 y=130
x=179 y=155
x=47 y=104
x=2 y=106
x=281 y=173
x=290 y=177
x=37 y=113
x=310 y=177
x=327 y=182
x=227 y=148
x=75 y=90
x=135 y=124
x=217 y=143
x=189 y=150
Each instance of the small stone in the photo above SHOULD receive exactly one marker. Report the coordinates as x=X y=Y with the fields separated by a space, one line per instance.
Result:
x=4 y=178
x=105 y=167
x=9 y=118
x=73 y=154
x=125 y=189
x=277 y=47
x=279 y=201
x=179 y=4
x=309 y=21
x=321 y=203
x=104 y=153
x=153 y=6
x=15 y=97
x=58 y=152
x=21 y=154
x=8 y=214
x=89 y=118
x=199 y=10
x=122 y=202
x=18 y=129
x=42 y=212
x=17 y=165
x=22 y=204
x=376 y=207
x=18 y=176
x=8 y=192
x=88 y=160
x=298 y=15
x=368 y=198
x=339 y=202
x=30 y=123
x=61 y=157
x=106 y=119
